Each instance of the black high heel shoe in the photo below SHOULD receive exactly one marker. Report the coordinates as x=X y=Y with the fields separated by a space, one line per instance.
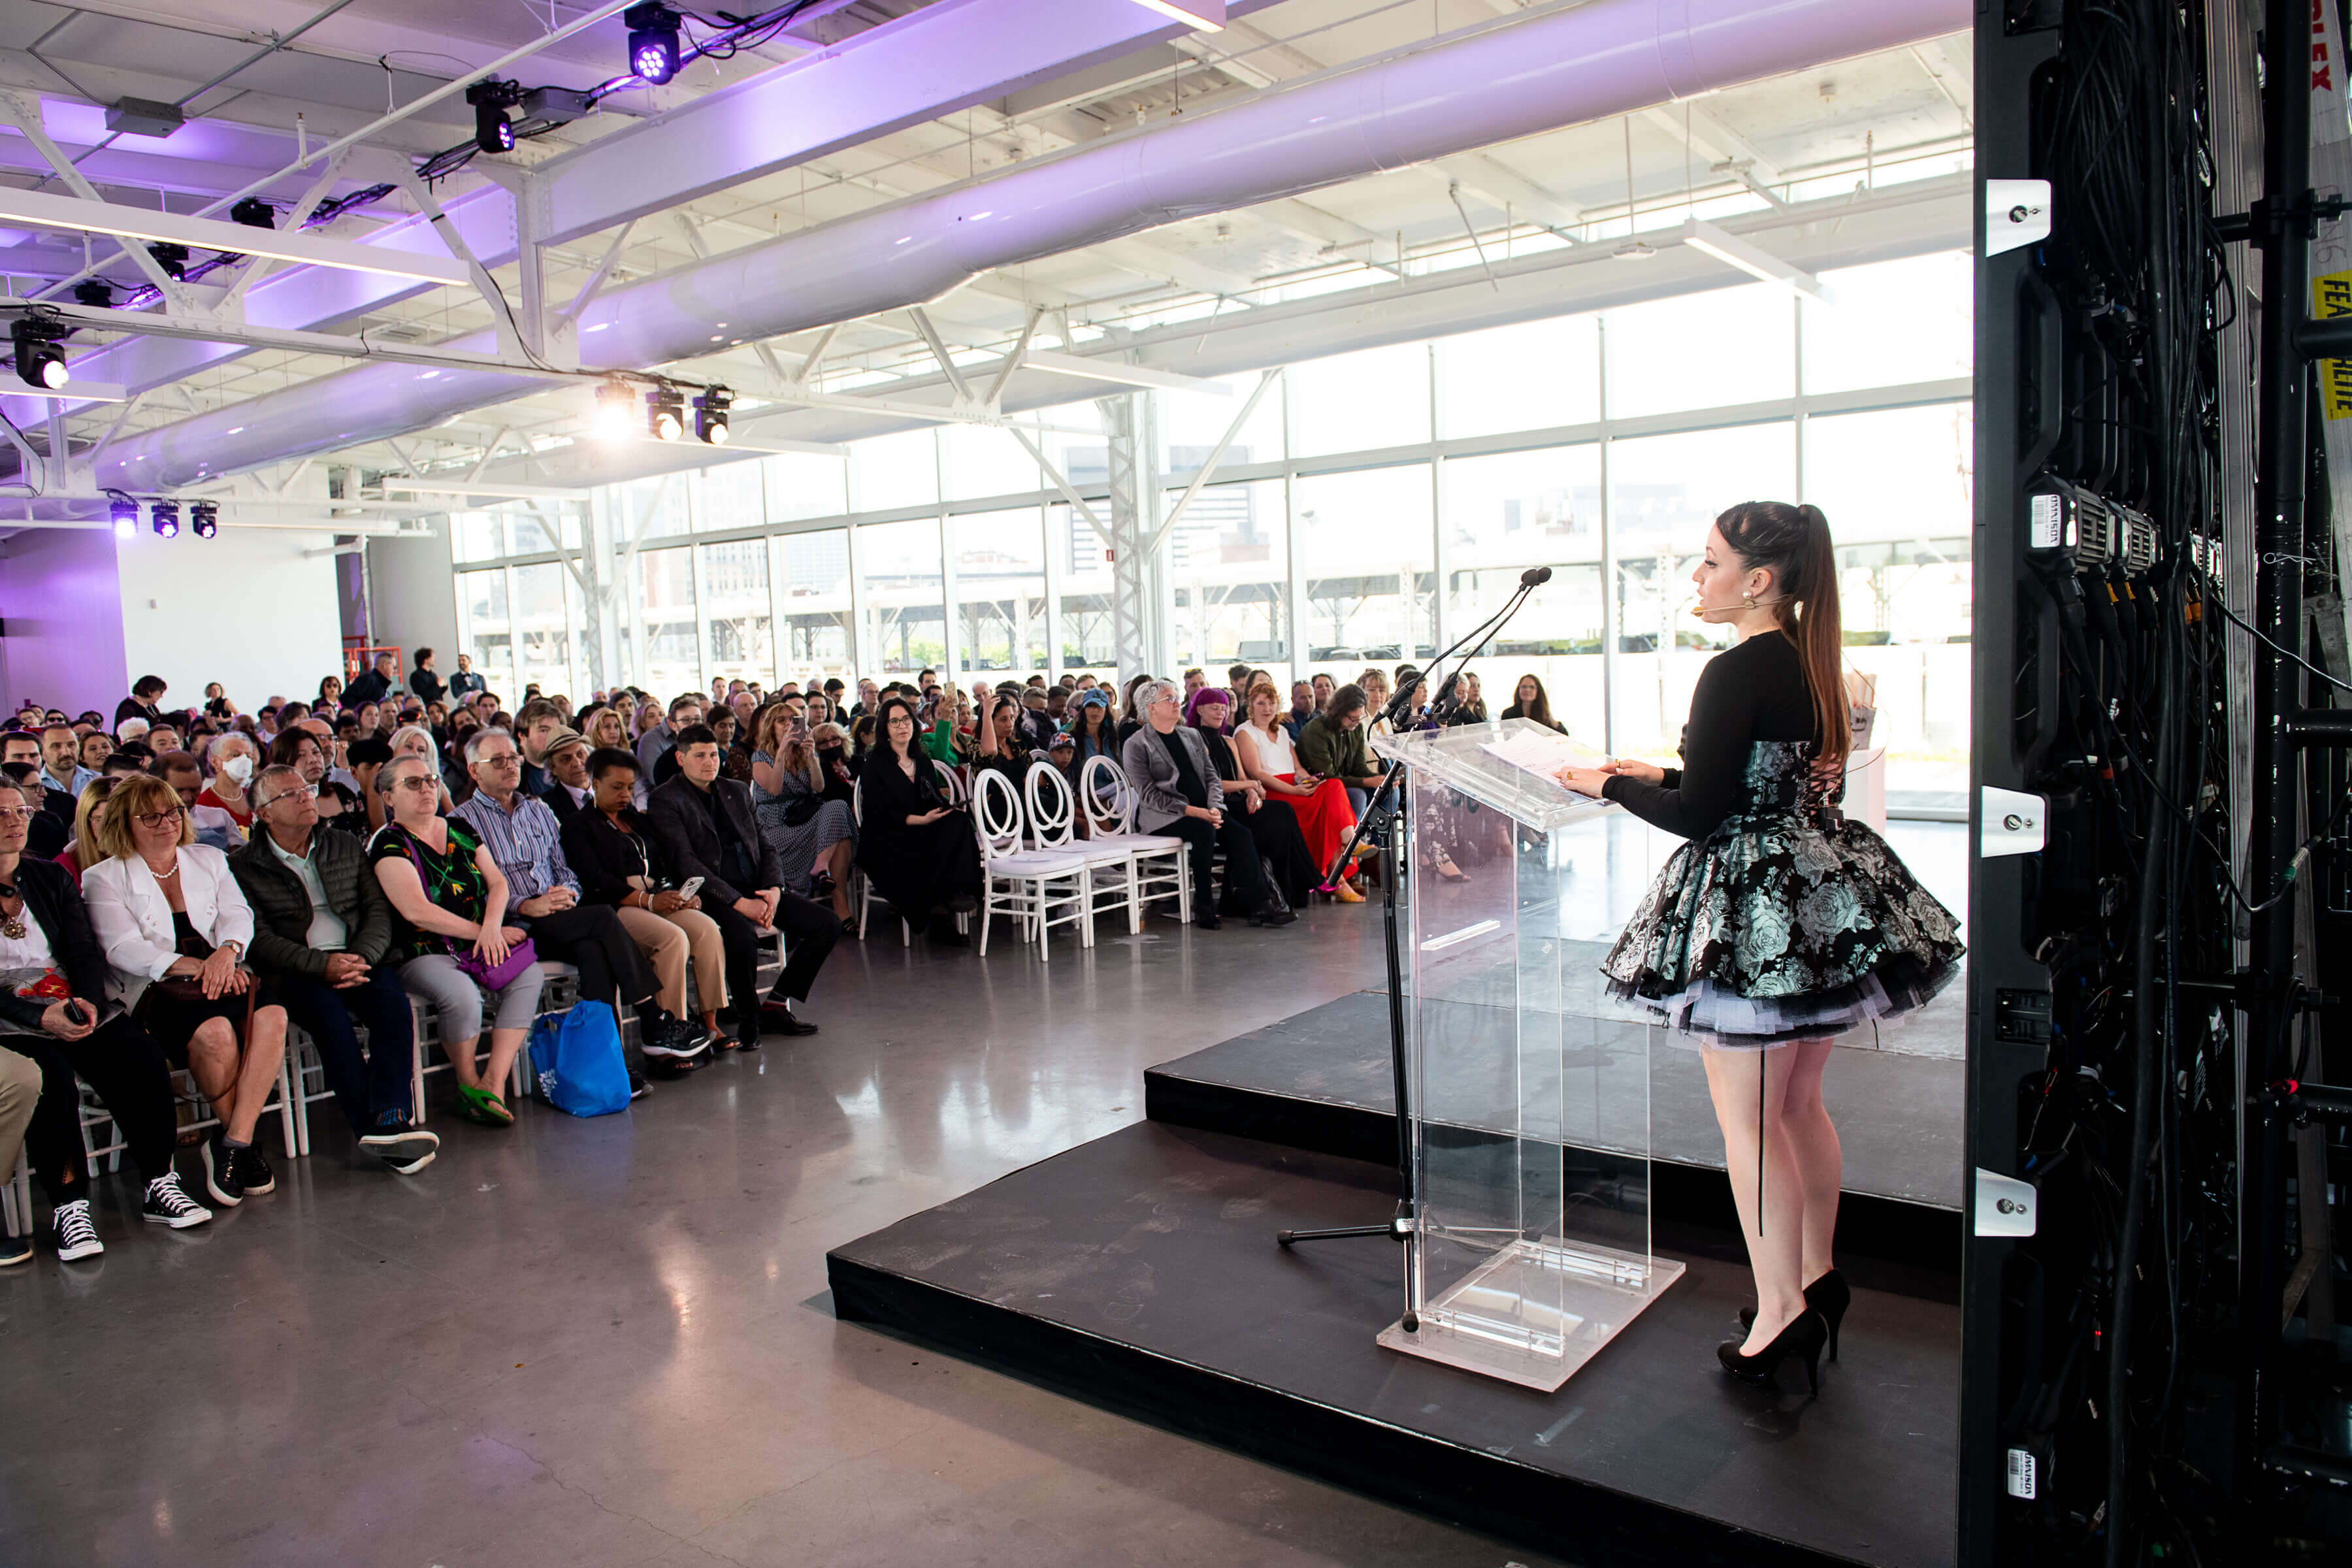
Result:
x=1804 y=1337
x=1828 y=1295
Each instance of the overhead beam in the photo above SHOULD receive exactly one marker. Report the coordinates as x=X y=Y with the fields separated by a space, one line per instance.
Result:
x=1726 y=151
x=1753 y=260
x=1498 y=184
x=41 y=209
x=1122 y=374
x=1163 y=266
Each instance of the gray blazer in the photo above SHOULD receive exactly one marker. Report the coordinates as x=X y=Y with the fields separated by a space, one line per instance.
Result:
x=1152 y=772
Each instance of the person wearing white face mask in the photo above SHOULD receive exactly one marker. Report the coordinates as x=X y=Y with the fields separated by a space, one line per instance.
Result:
x=224 y=806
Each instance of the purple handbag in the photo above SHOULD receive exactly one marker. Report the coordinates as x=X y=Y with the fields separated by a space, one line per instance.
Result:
x=519 y=957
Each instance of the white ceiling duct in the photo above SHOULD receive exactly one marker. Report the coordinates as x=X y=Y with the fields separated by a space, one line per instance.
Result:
x=1517 y=76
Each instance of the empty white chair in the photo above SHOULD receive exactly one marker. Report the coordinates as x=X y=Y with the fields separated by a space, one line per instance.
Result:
x=1162 y=869
x=1110 y=862
x=1042 y=887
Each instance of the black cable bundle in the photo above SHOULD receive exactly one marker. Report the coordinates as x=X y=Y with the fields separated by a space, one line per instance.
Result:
x=2128 y=1136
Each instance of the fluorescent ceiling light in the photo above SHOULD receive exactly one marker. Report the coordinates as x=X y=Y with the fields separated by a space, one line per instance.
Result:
x=1754 y=261
x=1207 y=15
x=72 y=391
x=42 y=210
x=1123 y=374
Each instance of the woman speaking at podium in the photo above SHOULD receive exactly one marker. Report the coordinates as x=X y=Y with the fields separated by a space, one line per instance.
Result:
x=1779 y=924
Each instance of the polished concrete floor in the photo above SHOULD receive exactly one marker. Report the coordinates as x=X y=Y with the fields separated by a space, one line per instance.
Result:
x=577 y=1344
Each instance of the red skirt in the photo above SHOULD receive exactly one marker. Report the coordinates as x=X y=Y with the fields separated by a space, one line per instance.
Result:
x=1325 y=818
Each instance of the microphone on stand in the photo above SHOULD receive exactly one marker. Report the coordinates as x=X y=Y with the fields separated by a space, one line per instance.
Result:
x=1535 y=576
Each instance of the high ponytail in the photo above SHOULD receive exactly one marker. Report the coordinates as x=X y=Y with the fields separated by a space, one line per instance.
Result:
x=1794 y=543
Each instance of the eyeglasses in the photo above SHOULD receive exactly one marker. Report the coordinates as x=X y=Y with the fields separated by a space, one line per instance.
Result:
x=292 y=791
x=419 y=784
x=500 y=758
x=16 y=814
x=158 y=818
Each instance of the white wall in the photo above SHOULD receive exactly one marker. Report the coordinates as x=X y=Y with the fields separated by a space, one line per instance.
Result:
x=61 y=620
x=244 y=608
x=412 y=598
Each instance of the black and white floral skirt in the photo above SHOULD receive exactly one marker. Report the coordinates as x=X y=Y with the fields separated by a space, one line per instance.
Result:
x=1782 y=925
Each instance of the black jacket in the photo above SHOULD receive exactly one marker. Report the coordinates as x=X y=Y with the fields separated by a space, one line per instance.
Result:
x=56 y=906
x=281 y=907
x=682 y=826
x=604 y=858
x=368 y=687
x=426 y=685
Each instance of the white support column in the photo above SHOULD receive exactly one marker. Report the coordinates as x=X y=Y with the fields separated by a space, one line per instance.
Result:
x=1138 y=612
x=1297 y=634
x=1610 y=629
x=780 y=627
x=1053 y=585
x=861 y=636
x=952 y=659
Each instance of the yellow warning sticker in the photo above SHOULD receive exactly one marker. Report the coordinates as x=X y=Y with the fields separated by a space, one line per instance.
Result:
x=2331 y=295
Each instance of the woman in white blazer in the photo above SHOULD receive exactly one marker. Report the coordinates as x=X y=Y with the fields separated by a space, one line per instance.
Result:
x=174 y=927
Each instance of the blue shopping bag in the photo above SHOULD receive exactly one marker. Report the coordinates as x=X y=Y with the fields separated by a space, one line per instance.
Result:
x=577 y=1054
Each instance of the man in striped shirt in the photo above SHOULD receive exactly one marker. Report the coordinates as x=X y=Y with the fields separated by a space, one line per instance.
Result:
x=543 y=898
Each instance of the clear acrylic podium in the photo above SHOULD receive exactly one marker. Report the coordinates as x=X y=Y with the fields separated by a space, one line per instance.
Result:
x=1528 y=1085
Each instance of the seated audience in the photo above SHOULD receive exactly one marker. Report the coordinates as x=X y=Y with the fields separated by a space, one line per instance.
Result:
x=567 y=769
x=1529 y=700
x=175 y=927
x=535 y=725
x=321 y=931
x=1302 y=709
x=124 y=764
x=94 y=747
x=233 y=761
x=1004 y=746
x=338 y=804
x=708 y=829
x=623 y=866
x=417 y=740
x=920 y=854
x=523 y=836
x=449 y=901
x=659 y=737
x=1129 y=719
x=1326 y=818
x=63 y=771
x=1180 y=795
x=1273 y=825
x=834 y=760
x=81 y=852
x=46 y=838
x=1332 y=746
x=364 y=760
x=55 y=1021
x=813 y=837
x=1469 y=701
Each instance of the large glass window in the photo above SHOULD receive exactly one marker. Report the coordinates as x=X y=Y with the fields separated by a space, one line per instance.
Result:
x=737 y=611
x=905 y=609
x=984 y=460
x=546 y=641
x=1354 y=403
x=488 y=628
x=732 y=496
x=802 y=484
x=1531 y=377
x=1895 y=489
x=1664 y=494
x=654 y=509
x=1368 y=558
x=1192 y=423
x=887 y=472
x=1086 y=633
x=1891 y=322
x=1502 y=515
x=1229 y=561
x=1000 y=572
x=814 y=572
x=476 y=535
x=667 y=659
x=1701 y=350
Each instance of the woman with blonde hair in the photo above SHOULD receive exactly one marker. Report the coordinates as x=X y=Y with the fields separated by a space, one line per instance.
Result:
x=811 y=834
x=174 y=926
x=81 y=851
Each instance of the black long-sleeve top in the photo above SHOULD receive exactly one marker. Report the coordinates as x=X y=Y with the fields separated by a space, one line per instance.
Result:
x=1754 y=692
x=604 y=858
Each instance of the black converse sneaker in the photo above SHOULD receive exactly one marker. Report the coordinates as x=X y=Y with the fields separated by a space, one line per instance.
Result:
x=167 y=1203
x=405 y=1148
x=72 y=1234
x=253 y=1172
x=221 y=1172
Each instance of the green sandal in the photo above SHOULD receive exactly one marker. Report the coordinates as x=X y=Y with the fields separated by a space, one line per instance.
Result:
x=482 y=1107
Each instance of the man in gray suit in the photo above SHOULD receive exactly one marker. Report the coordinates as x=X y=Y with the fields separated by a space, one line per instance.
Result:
x=1178 y=796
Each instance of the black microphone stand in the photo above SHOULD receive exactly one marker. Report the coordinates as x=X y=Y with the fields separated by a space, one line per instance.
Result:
x=1383 y=824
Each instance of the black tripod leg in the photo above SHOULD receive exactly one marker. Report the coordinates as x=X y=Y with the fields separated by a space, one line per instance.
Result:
x=1286 y=1238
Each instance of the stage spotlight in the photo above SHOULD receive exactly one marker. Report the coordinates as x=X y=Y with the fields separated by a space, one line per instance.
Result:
x=164 y=518
x=95 y=292
x=666 y=413
x=616 y=408
x=254 y=212
x=711 y=412
x=493 y=131
x=125 y=513
x=203 y=518
x=40 y=359
x=172 y=259
x=653 y=42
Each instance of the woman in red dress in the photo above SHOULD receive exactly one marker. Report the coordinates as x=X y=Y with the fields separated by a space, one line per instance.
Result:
x=1325 y=817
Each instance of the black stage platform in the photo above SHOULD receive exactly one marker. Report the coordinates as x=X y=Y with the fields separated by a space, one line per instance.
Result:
x=1320 y=1081
x=1140 y=1272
